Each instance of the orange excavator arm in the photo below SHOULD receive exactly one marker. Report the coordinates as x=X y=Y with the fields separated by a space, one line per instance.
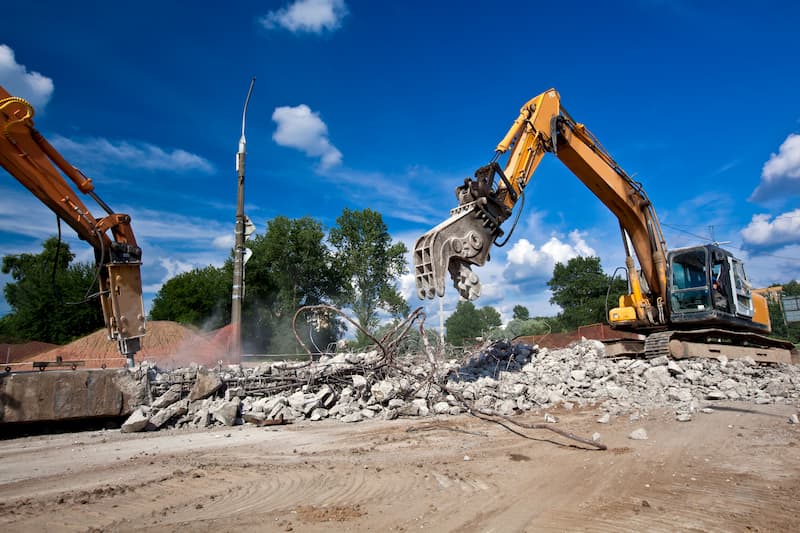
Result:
x=488 y=199
x=35 y=163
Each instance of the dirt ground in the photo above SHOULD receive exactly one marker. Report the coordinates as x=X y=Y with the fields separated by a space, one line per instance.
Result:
x=736 y=469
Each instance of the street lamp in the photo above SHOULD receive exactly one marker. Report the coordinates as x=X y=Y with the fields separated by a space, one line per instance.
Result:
x=239 y=258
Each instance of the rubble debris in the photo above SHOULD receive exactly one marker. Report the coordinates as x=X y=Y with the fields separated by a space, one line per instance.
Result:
x=501 y=379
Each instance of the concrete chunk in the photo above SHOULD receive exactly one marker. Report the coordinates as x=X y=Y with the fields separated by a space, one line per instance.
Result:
x=638 y=434
x=206 y=384
x=172 y=395
x=226 y=411
x=164 y=415
x=137 y=421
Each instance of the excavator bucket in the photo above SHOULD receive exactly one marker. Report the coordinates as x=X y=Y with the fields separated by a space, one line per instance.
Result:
x=462 y=240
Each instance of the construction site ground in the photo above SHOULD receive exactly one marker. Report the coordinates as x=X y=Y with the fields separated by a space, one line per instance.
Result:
x=734 y=469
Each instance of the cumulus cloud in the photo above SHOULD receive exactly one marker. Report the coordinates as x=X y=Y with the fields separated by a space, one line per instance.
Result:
x=780 y=175
x=310 y=16
x=526 y=261
x=301 y=128
x=224 y=242
x=765 y=231
x=131 y=154
x=18 y=81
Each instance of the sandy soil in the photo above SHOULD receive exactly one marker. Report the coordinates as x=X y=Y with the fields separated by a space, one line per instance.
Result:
x=736 y=469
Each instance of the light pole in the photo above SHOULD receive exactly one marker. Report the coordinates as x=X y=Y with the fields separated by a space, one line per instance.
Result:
x=238 y=247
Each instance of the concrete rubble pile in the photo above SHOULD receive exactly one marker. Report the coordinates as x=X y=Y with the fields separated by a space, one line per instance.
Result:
x=502 y=378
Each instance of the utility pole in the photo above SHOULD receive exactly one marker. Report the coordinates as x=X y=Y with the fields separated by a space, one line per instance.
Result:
x=238 y=247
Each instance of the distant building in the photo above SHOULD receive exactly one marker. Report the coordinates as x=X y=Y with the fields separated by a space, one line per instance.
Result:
x=772 y=294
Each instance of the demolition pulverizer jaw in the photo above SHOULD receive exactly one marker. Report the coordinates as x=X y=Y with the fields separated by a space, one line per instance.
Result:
x=465 y=280
x=462 y=240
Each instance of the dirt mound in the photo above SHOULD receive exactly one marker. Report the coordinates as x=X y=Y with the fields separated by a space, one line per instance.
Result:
x=168 y=344
x=13 y=353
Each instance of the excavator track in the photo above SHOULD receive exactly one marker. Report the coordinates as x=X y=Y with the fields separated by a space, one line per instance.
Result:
x=718 y=343
x=657 y=344
x=714 y=343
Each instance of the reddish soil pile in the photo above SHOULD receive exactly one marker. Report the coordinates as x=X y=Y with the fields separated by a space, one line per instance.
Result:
x=13 y=353
x=168 y=344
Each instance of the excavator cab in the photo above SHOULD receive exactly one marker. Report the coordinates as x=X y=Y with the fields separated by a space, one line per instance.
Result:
x=708 y=286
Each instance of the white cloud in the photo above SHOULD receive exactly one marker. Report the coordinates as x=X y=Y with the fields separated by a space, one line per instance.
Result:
x=18 y=81
x=22 y=214
x=312 y=16
x=526 y=261
x=763 y=230
x=408 y=287
x=224 y=242
x=780 y=175
x=131 y=154
x=301 y=128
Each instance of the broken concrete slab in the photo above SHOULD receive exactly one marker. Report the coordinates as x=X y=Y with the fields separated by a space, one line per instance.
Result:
x=172 y=395
x=206 y=383
x=70 y=394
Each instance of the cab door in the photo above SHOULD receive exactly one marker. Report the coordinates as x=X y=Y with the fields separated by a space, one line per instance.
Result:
x=741 y=288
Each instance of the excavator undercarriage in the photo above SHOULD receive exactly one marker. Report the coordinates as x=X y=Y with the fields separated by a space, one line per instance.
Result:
x=714 y=343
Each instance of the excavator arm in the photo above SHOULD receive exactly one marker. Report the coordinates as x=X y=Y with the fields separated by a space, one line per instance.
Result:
x=489 y=198
x=35 y=163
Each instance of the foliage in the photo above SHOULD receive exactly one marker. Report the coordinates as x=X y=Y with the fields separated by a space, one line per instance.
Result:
x=48 y=296
x=531 y=326
x=580 y=287
x=467 y=323
x=491 y=317
x=521 y=313
x=780 y=327
x=369 y=263
x=199 y=297
x=792 y=288
x=291 y=267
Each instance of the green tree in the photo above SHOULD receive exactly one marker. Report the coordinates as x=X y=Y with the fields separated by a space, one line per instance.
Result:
x=792 y=288
x=780 y=327
x=370 y=264
x=48 y=296
x=580 y=287
x=531 y=326
x=200 y=297
x=291 y=267
x=468 y=322
x=490 y=317
x=465 y=324
x=521 y=313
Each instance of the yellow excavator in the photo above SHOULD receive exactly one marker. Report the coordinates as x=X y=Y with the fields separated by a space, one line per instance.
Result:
x=688 y=302
x=35 y=163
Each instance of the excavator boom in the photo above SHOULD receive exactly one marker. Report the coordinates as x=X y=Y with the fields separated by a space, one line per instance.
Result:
x=37 y=165
x=542 y=126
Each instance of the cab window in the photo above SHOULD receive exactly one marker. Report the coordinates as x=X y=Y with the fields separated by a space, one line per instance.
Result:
x=689 y=289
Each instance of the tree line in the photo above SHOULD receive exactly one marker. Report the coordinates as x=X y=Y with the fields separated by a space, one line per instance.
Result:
x=294 y=264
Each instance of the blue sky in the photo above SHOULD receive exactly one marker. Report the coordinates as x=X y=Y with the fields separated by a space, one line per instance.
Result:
x=389 y=105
